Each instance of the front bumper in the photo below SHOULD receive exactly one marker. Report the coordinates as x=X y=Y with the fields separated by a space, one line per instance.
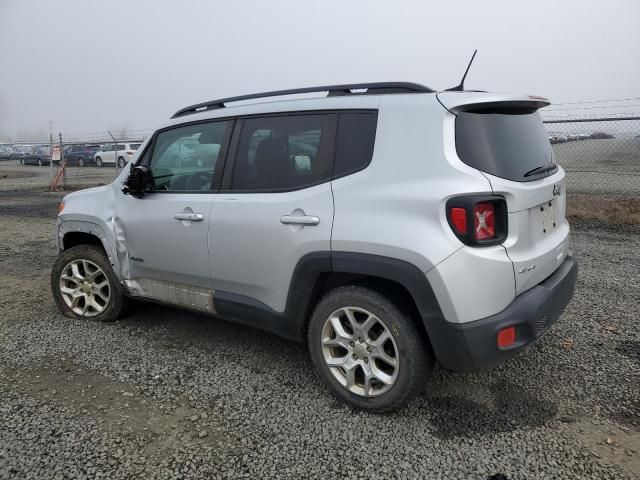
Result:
x=473 y=345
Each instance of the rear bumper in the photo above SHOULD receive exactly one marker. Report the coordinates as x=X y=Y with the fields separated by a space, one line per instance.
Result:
x=473 y=345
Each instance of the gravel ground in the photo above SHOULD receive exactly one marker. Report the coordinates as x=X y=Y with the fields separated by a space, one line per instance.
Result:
x=168 y=394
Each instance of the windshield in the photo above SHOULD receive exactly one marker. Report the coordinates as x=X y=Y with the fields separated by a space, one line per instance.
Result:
x=508 y=143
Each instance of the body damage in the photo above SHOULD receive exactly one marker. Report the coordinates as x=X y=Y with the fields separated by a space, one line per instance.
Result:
x=92 y=211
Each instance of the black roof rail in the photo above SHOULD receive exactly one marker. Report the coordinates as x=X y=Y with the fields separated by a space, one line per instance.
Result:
x=334 y=90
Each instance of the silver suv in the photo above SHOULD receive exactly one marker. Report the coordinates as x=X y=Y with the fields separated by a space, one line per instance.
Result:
x=387 y=225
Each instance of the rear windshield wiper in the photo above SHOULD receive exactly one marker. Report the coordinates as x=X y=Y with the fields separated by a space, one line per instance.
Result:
x=541 y=169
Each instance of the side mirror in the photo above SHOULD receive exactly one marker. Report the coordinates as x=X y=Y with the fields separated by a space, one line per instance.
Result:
x=138 y=182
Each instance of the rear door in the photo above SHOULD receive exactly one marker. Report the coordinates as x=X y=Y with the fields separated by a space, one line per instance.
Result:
x=507 y=141
x=275 y=207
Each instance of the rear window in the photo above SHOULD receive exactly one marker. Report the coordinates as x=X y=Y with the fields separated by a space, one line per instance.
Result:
x=134 y=146
x=507 y=143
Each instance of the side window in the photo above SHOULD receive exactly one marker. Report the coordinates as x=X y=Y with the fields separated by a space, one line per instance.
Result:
x=281 y=152
x=185 y=158
x=355 y=139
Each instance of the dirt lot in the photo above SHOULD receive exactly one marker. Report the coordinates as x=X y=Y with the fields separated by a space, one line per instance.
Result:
x=167 y=394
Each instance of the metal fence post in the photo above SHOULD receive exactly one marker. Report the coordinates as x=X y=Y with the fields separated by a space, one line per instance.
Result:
x=50 y=153
x=115 y=147
x=62 y=165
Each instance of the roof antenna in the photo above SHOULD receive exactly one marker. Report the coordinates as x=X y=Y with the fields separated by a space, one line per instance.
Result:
x=460 y=87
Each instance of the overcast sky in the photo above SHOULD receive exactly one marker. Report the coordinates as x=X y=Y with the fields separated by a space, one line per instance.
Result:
x=95 y=65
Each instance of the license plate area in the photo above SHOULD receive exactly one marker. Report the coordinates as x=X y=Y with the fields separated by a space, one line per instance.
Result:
x=543 y=219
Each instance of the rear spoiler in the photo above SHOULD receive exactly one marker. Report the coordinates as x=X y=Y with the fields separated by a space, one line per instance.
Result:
x=460 y=101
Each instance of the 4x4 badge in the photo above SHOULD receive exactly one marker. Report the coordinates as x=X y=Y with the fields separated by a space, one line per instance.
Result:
x=556 y=190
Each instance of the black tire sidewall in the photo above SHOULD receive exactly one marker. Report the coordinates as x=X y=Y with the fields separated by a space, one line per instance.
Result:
x=415 y=361
x=96 y=255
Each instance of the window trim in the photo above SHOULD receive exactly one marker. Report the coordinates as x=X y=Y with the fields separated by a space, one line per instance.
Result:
x=326 y=150
x=221 y=182
x=222 y=154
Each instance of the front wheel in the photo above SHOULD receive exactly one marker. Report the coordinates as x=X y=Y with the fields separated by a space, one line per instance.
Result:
x=84 y=285
x=98 y=162
x=370 y=353
x=121 y=162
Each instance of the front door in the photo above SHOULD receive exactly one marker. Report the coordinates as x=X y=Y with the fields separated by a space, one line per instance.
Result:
x=276 y=206
x=165 y=233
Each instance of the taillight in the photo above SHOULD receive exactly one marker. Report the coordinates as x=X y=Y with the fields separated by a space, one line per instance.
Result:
x=478 y=220
x=459 y=219
x=484 y=220
x=129 y=153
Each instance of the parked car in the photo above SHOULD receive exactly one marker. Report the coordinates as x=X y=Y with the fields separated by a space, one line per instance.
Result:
x=602 y=136
x=38 y=155
x=572 y=138
x=370 y=225
x=110 y=153
x=5 y=152
x=19 y=151
x=583 y=136
x=80 y=155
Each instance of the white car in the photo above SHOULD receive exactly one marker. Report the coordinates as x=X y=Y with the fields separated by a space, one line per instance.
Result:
x=110 y=153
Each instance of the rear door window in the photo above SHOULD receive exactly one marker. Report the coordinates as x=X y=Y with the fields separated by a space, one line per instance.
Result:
x=282 y=153
x=510 y=143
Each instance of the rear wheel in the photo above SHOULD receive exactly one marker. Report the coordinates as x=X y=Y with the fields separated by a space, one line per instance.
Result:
x=84 y=285
x=370 y=353
x=98 y=162
x=121 y=162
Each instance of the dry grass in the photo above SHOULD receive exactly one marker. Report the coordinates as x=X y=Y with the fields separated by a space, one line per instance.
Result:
x=621 y=211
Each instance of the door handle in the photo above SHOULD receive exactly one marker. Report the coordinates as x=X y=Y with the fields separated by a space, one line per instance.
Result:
x=194 y=217
x=299 y=220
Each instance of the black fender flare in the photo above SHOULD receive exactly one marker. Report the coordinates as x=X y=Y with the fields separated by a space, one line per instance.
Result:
x=292 y=322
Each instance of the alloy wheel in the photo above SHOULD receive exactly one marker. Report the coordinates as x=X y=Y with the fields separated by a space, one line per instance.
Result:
x=360 y=351
x=85 y=288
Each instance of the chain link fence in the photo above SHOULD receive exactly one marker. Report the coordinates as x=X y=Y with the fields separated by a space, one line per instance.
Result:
x=600 y=155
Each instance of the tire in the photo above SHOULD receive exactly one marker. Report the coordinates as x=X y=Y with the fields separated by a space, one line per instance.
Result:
x=121 y=162
x=98 y=162
x=39 y=162
x=411 y=353
x=91 y=258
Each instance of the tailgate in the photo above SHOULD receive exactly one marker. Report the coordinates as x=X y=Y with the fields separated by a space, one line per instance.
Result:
x=538 y=238
x=503 y=137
